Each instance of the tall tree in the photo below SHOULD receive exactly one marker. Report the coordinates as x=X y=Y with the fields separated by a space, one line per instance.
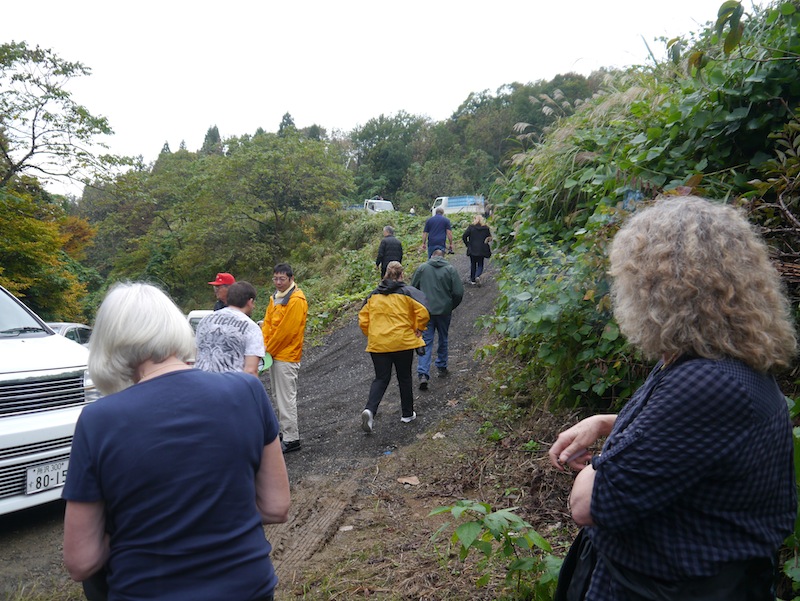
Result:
x=384 y=150
x=212 y=143
x=44 y=131
x=287 y=125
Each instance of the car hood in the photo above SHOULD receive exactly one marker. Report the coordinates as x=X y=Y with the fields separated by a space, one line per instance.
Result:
x=41 y=353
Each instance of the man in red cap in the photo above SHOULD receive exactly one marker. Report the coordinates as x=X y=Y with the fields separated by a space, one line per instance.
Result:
x=221 y=289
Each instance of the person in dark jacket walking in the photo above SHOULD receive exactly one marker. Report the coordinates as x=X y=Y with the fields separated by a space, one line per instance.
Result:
x=390 y=249
x=393 y=318
x=477 y=238
x=442 y=286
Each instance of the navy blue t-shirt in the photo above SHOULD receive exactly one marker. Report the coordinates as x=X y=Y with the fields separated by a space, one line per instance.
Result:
x=437 y=227
x=174 y=459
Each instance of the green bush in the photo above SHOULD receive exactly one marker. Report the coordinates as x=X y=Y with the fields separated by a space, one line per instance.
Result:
x=502 y=536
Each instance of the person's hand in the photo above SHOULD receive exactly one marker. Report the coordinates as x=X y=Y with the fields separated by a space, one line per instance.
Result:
x=572 y=445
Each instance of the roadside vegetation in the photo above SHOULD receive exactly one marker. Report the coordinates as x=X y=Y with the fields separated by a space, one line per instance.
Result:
x=562 y=164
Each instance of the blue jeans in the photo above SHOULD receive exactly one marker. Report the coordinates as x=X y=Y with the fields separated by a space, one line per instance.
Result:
x=438 y=324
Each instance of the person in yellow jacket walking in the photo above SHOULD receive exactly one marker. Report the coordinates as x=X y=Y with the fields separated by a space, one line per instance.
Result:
x=393 y=318
x=284 y=328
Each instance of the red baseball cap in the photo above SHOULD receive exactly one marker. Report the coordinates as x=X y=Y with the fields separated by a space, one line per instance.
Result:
x=223 y=279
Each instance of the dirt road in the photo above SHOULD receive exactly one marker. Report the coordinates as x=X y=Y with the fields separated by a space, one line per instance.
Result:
x=336 y=460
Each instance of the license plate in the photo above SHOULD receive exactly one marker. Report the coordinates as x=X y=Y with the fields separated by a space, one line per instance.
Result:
x=46 y=476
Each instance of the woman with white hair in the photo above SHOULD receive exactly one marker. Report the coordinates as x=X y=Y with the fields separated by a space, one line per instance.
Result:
x=173 y=473
x=694 y=489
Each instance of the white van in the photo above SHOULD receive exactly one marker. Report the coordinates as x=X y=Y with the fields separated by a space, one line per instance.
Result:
x=459 y=204
x=44 y=385
x=378 y=205
x=196 y=316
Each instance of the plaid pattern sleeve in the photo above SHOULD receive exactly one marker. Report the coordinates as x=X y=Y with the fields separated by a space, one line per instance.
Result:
x=697 y=472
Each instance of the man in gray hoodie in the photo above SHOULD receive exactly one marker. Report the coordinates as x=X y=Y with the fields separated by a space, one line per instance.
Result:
x=442 y=286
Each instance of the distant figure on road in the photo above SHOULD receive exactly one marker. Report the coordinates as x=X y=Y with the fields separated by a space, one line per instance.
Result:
x=221 y=285
x=173 y=473
x=228 y=340
x=393 y=318
x=442 y=286
x=477 y=238
x=390 y=249
x=284 y=330
x=437 y=232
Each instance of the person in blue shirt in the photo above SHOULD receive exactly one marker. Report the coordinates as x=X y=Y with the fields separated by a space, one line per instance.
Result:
x=693 y=491
x=437 y=232
x=173 y=473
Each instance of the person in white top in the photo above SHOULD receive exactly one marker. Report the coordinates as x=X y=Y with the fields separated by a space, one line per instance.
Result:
x=228 y=339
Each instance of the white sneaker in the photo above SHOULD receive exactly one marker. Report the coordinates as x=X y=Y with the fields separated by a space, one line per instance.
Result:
x=366 y=420
x=405 y=420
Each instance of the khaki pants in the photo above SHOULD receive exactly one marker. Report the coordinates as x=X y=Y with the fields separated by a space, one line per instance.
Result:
x=283 y=388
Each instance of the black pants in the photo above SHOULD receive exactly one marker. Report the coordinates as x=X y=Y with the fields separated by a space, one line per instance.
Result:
x=383 y=362
x=475 y=267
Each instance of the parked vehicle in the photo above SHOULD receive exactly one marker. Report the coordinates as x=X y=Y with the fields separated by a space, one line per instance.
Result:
x=459 y=204
x=78 y=332
x=378 y=205
x=44 y=384
x=196 y=316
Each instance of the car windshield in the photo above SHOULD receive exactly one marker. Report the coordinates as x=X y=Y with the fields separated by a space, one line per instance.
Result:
x=14 y=319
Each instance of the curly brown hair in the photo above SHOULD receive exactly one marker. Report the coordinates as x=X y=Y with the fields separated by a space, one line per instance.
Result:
x=693 y=276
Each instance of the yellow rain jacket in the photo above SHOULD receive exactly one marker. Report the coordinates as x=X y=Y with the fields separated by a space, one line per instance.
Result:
x=285 y=325
x=390 y=317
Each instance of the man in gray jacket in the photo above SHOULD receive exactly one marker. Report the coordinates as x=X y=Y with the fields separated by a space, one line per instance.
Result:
x=442 y=286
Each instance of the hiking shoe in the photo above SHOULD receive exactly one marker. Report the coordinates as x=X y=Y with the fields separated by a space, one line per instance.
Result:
x=478 y=281
x=442 y=371
x=423 y=381
x=406 y=420
x=366 y=420
x=291 y=446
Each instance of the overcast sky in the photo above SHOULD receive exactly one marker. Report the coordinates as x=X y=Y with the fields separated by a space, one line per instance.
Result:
x=165 y=71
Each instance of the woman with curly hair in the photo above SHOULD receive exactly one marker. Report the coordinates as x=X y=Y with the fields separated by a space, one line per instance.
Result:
x=694 y=490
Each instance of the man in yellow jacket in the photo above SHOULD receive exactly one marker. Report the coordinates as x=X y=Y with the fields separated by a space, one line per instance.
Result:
x=284 y=328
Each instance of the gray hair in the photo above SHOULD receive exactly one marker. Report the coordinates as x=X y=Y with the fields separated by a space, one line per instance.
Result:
x=135 y=322
x=439 y=211
x=388 y=229
x=692 y=276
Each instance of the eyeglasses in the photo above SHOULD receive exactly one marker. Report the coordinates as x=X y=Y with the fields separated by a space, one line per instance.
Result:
x=280 y=279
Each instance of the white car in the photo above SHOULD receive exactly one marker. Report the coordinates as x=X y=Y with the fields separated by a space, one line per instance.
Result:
x=196 y=316
x=78 y=332
x=44 y=385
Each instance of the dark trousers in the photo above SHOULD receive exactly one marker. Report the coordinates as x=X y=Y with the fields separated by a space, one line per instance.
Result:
x=383 y=362
x=475 y=267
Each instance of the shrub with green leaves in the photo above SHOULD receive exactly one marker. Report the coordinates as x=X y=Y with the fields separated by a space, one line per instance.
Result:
x=710 y=123
x=502 y=536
